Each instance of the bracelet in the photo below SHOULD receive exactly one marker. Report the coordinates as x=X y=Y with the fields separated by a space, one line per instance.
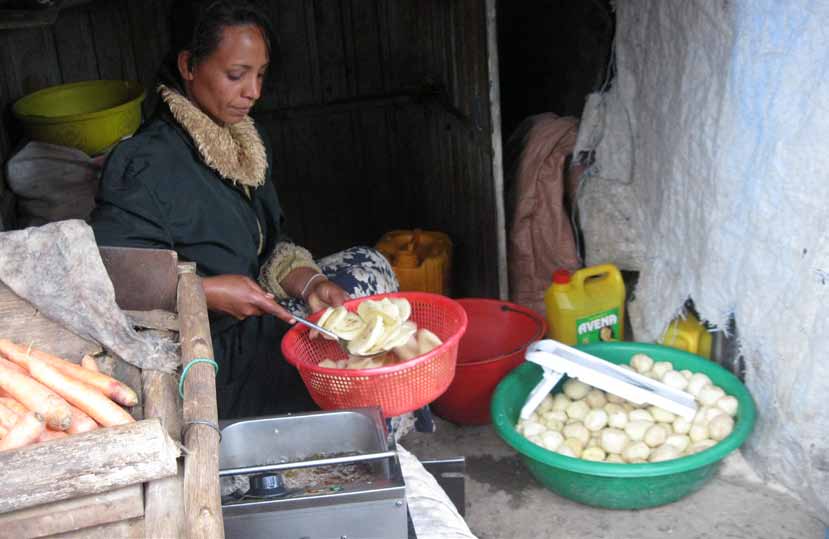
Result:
x=308 y=283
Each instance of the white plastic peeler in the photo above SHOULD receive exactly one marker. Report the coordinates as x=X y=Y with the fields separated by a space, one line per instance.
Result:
x=558 y=359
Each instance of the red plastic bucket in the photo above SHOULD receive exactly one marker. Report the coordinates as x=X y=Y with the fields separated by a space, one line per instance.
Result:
x=496 y=337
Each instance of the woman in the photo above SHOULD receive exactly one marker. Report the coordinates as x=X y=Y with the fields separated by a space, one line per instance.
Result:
x=197 y=179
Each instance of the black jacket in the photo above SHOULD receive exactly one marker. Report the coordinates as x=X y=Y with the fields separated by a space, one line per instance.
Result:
x=157 y=192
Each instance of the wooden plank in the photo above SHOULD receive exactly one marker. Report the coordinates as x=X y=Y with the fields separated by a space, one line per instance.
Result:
x=12 y=19
x=144 y=279
x=376 y=169
x=289 y=184
x=8 y=89
x=75 y=45
x=150 y=32
x=5 y=106
x=75 y=514
x=101 y=460
x=454 y=45
x=164 y=516
x=24 y=324
x=33 y=63
x=313 y=53
x=294 y=82
x=496 y=167
x=330 y=49
x=292 y=193
x=336 y=230
x=441 y=36
x=125 y=529
x=364 y=39
x=405 y=61
x=155 y=319
x=109 y=22
x=202 y=505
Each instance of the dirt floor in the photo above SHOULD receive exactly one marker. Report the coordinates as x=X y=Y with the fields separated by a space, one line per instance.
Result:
x=503 y=501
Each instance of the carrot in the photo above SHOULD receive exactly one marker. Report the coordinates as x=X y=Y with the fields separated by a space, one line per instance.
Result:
x=8 y=417
x=88 y=362
x=81 y=422
x=27 y=430
x=87 y=398
x=35 y=396
x=13 y=405
x=18 y=369
x=112 y=388
x=49 y=434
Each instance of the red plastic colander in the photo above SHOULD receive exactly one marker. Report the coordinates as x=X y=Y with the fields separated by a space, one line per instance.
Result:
x=396 y=389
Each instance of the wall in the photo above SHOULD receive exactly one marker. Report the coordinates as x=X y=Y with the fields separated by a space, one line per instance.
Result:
x=710 y=178
x=379 y=114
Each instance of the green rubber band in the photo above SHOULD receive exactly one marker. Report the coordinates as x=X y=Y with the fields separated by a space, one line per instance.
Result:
x=187 y=369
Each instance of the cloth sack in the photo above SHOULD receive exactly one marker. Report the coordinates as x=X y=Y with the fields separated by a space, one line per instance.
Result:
x=57 y=267
x=52 y=183
x=539 y=191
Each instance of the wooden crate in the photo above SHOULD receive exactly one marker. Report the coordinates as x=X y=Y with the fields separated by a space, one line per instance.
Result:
x=159 y=293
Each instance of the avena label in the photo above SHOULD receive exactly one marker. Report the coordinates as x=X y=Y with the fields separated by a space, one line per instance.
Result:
x=603 y=326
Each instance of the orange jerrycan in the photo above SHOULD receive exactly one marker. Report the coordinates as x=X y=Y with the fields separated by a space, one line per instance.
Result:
x=587 y=305
x=421 y=259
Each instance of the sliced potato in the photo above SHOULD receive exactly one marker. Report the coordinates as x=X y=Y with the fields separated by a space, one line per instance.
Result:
x=369 y=337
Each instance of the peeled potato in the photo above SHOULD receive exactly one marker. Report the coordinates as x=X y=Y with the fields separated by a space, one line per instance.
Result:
x=427 y=341
x=408 y=350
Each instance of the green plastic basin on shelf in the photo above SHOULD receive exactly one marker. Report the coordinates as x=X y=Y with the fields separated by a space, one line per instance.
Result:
x=611 y=485
x=90 y=115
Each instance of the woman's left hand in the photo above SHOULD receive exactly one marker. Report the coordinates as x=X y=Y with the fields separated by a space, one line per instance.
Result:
x=323 y=294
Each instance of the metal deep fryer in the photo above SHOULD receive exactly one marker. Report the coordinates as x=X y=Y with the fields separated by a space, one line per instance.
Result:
x=259 y=452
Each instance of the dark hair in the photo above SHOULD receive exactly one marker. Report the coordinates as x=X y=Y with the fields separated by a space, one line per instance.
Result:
x=197 y=25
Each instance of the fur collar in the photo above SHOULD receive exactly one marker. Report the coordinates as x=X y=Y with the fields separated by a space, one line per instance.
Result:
x=235 y=151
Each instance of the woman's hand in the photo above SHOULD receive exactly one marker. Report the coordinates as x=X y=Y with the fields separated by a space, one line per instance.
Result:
x=314 y=289
x=241 y=297
x=324 y=293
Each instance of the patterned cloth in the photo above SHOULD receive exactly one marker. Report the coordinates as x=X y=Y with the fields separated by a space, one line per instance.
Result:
x=360 y=271
x=363 y=271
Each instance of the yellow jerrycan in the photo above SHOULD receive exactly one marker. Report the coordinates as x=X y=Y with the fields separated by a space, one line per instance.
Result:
x=421 y=259
x=587 y=305
x=689 y=334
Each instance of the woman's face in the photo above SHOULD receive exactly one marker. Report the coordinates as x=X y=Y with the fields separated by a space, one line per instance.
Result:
x=227 y=83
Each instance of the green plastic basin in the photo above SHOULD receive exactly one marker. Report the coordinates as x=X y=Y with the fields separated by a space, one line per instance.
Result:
x=89 y=115
x=611 y=485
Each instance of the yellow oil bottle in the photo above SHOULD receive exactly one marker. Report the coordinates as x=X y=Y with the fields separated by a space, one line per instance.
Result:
x=421 y=260
x=689 y=334
x=587 y=305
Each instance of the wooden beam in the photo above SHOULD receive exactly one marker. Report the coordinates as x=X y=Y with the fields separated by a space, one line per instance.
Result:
x=88 y=463
x=497 y=148
x=155 y=319
x=75 y=514
x=23 y=323
x=164 y=502
x=202 y=505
